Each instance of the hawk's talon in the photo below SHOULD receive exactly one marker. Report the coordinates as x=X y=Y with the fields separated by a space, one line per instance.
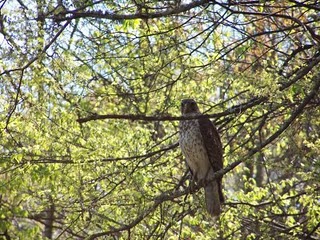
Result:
x=192 y=185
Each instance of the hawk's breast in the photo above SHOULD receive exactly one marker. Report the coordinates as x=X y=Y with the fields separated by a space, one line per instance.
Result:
x=192 y=146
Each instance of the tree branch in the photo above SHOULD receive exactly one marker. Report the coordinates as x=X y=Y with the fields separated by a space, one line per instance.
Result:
x=233 y=110
x=75 y=14
x=68 y=160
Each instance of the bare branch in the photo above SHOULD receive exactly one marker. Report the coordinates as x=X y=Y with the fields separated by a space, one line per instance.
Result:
x=233 y=110
x=75 y=14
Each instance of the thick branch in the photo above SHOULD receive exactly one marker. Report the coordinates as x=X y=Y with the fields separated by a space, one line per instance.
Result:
x=113 y=16
x=233 y=110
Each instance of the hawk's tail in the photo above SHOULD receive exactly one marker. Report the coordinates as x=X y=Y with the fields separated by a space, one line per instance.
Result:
x=212 y=196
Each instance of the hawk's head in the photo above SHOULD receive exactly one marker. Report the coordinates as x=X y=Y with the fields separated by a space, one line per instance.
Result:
x=189 y=106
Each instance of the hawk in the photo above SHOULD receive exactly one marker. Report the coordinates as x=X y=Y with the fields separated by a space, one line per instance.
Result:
x=201 y=145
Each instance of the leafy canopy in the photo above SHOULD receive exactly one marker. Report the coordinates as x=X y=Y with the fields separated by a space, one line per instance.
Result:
x=90 y=103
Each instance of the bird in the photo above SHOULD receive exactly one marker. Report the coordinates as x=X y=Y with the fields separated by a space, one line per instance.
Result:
x=201 y=146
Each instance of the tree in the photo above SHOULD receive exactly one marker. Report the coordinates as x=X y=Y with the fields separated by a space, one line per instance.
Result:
x=90 y=97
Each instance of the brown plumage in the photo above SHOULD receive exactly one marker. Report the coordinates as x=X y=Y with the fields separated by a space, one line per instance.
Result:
x=201 y=145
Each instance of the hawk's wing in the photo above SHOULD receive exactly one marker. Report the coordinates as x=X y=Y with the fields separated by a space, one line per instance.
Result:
x=212 y=143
